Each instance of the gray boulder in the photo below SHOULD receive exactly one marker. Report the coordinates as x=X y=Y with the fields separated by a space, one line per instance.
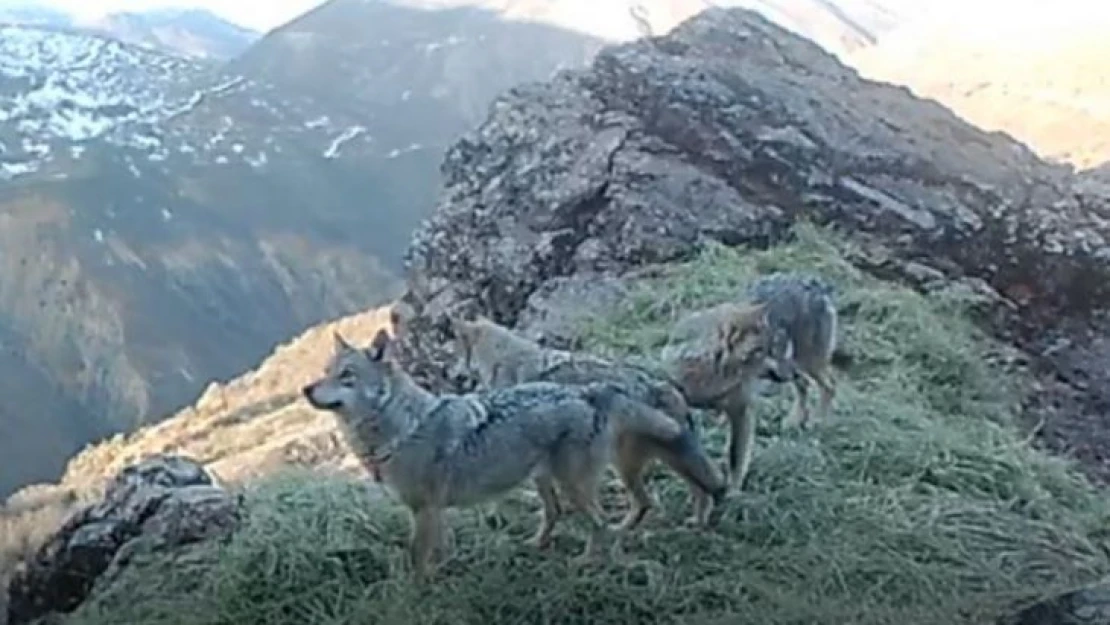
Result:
x=161 y=502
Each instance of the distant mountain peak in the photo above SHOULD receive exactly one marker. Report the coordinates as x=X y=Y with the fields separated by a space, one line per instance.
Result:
x=189 y=31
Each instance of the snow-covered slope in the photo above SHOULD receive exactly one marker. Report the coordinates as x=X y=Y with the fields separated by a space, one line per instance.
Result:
x=60 y=89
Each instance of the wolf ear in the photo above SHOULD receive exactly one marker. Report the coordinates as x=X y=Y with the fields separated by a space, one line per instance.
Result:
x=339 y=343
x=379 y=347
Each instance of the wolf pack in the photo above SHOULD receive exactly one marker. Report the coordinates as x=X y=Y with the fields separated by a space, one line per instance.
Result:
x=560 y=418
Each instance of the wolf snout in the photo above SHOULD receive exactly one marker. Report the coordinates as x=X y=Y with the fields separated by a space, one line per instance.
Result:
x=307 y=390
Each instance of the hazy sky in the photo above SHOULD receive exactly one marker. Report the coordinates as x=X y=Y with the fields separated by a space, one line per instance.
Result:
x=258 y=14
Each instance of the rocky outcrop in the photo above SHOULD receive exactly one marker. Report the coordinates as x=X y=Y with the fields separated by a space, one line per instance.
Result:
x=161 y=502
x=732 y=129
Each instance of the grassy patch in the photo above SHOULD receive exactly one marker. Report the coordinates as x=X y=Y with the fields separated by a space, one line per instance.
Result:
x=916 y=503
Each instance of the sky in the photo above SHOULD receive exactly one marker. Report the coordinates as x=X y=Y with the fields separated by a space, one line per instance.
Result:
x=257 y=14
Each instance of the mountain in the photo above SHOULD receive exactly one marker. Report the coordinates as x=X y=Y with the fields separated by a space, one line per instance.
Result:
x=162 y=225
x=190 y=32
x=1038 y=74
x=195 y=33
x=166 y=222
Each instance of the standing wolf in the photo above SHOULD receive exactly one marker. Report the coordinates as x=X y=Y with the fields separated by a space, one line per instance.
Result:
x=447 y=451
x=499 y=358
x=786 y=327
x=802 y=316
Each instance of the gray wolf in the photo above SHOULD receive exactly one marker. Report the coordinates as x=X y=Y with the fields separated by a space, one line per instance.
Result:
x=716 y=356
x=785 y=329
x=803 y=320
x=499 y=358
x=449 y=451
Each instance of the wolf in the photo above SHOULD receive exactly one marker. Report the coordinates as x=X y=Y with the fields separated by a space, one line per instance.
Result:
x=499 y=358
x=783 y=327
x=451 y=451
x=802 y=315
x=716 y=356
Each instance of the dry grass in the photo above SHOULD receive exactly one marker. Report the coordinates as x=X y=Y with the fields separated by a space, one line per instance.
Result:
x=917 y=503
x=233 y=420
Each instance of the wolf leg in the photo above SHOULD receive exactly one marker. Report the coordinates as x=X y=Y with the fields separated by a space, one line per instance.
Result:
x=631 y=458
x=426 y=530
x=545 y=486
x=740 y=441
x=688 y=459
x=800 y=416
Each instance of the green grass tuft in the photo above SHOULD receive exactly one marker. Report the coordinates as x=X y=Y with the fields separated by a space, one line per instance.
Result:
x=917 y=502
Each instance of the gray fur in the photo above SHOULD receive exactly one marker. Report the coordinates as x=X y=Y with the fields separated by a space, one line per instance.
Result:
x=449 y=451
x=654 y=419
x=803 y=319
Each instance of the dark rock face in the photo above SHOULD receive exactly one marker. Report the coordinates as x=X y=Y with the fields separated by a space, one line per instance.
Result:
x=161 y=502
x=731 y=128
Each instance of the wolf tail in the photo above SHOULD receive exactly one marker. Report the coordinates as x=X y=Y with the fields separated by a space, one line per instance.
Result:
x=677 y=438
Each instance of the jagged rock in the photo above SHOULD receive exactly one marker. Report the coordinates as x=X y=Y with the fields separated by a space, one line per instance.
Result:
x=161 y=502
x=730 y=128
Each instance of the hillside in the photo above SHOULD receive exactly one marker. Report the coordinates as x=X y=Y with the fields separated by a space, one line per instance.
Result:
x=167 y=222
x=155 y=235
x=590 y=210
x=194 y=33
x=1039 y=75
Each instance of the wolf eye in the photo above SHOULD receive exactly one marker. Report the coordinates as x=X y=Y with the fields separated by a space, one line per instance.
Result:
x=347 y=377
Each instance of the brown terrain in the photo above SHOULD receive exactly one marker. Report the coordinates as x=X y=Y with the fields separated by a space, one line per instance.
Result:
x=1039 y=74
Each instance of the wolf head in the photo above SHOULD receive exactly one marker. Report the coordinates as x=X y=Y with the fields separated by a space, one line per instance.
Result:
x=748 y=341
x=713 y=351
x=358 y=384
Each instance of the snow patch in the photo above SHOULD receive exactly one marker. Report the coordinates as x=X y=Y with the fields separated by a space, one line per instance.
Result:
x=348 y=134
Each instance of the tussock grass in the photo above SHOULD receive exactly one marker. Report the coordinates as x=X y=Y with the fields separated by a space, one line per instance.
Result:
x=917 y=502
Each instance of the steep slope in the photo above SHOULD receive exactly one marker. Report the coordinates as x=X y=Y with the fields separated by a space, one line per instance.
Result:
x=400 y=84
x=1039 y=74
x=155 y=235
x=248 y=426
